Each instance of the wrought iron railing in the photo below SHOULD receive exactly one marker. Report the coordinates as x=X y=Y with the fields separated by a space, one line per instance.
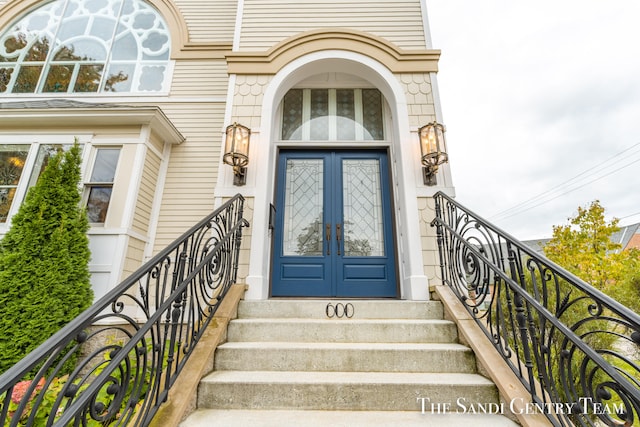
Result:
x=115 y=363
x=574 y=348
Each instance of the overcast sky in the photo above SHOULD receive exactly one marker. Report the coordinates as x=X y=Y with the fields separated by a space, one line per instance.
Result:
x=542 y=106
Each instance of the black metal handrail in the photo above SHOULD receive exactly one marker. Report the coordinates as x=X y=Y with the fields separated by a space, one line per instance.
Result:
x=114 y=364
x=575 y=349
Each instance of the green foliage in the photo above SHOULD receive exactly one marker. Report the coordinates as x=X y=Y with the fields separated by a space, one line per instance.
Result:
x=45 y=407
x=584 y=247
x=627 y=291
x=130 y=399
x=44 y=274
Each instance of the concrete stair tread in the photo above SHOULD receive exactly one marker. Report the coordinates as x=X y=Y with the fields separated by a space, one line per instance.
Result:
x=292 y=418
x=311 y=377
x=294 y=345
x=362 y=309
x=344 y=356
x=345 y=321
x=341 y=391
x=342 y=330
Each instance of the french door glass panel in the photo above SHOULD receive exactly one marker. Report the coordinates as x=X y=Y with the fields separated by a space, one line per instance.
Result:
x=303 y=207
x=362 y=207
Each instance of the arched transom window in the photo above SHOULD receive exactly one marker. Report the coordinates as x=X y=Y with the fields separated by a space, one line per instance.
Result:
x=332 y=115
x=76 y=46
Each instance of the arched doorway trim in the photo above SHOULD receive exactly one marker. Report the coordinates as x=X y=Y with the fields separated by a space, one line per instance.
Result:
x=275 y=59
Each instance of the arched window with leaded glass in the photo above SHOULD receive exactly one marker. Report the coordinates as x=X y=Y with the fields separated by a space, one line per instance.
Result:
x=86 y=46
x=333 y=115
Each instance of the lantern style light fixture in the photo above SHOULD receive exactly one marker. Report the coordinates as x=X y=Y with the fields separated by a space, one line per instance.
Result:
x=236 y=151
x=433 y=149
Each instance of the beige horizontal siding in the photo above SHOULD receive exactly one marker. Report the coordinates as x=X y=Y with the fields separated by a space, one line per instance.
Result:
x=209 y=21
x=267 y=22
x=188 y=193
x=133 y=257
x=146 y=194
x=200 y=78
x=157 y=141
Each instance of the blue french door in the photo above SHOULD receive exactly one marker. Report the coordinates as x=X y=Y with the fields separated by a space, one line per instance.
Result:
x=333 y=227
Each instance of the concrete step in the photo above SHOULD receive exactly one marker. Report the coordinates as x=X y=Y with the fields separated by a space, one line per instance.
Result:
x=356 y=309
x=356 y=357
x=343 y=330
x=287 y=363
x=353 y=391
x=278 y=418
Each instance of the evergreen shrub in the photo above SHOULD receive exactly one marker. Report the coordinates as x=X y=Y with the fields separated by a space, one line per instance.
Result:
x=44 y=258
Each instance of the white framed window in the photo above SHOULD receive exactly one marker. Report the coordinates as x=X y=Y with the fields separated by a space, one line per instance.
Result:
x=99 y=188
x=12 y=161
x=333 y=115
x=86 y=46
x=20 y=167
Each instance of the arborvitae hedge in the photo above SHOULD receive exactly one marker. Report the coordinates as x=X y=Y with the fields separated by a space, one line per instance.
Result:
x=44 y=258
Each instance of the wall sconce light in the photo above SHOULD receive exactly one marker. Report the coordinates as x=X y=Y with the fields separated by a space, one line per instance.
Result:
x=236 y=151
x=433 y=149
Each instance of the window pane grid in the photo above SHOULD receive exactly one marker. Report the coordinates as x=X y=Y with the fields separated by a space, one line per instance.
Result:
x=98 y=202
x=86 y=46
x=292 y=115
x=372 y=114
x=5 y=77
x=45 y=152
x=319 y=114
x=100 y=185
x=12 y=162
x=346 y=114
x=332 y=114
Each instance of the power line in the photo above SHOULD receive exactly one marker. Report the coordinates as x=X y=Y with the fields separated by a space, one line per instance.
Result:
x=598 y=169
x=571 y=190
x=591 y=170
x=629 y=216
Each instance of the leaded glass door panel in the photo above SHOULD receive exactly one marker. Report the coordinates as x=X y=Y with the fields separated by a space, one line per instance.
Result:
x=333 y=235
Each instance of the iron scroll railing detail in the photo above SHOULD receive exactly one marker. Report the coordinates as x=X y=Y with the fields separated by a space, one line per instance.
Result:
x=115 y=363
x=574 y=348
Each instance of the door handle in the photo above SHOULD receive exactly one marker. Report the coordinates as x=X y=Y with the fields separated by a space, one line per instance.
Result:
x=338 y=235
x=327 y=233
